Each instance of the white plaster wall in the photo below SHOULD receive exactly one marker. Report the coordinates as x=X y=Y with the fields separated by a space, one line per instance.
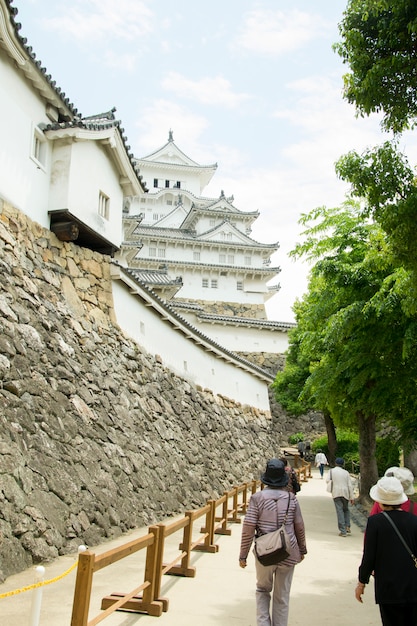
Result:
x=226 y=291
x=182 y=355
x=80 y=170
x=22 y=181
x=240 y=339
x=189 y=181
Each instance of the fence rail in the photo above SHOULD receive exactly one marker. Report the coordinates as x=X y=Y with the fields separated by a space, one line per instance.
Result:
x=146 y=598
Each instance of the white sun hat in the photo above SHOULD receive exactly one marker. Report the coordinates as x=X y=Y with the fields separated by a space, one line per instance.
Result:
x=389 y=491
x=405 y=476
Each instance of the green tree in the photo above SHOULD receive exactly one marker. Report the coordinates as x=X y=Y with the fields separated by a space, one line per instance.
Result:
x=379 y=43
x=353 y=330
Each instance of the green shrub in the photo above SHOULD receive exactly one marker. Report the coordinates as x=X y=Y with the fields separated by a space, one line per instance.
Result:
x=294 y=439
x=387 y=450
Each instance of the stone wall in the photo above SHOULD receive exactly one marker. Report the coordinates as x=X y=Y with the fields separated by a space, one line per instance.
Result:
x=230 y=309
x=96 y=436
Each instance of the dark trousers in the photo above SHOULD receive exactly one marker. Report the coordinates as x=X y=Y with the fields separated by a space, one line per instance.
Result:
x=399 y=614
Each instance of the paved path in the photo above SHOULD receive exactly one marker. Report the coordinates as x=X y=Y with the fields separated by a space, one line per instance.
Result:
x=221 y=594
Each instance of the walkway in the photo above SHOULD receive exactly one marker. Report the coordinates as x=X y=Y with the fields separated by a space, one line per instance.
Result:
x=221 y=594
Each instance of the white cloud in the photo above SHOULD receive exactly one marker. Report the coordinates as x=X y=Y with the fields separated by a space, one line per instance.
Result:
x=103 y=19
x=275 y=33
x=214 y=91
x=159 y=116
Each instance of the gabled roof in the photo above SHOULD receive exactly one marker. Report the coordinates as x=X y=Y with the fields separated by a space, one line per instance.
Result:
x=170 y=156
x=105 y=128
x=187 y=235
x=217 y=208
x=226 y=226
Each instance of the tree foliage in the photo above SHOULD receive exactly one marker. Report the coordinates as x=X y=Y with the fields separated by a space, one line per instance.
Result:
x=353 y=350
x=379 y=43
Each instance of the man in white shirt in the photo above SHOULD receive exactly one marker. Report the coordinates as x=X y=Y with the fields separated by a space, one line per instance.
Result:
x=342 y=494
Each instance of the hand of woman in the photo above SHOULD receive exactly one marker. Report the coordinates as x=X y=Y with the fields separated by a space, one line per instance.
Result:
x=242 y=563
x=359 y=591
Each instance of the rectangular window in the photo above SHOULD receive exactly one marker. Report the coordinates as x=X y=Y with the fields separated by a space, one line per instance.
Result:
x=178 y=184
x=39 y=147
x=222 y=258
x=248 y=260
x=152 y=251
x=155 y=217
x=239 y=285
x=196 y=256
x=169 y=202
x=167 y=184
x=161 y=253
x=231 y=259
x=103 y=205
x=229 y=235
x=155 y=182
x=214 y=283
x=205 y=283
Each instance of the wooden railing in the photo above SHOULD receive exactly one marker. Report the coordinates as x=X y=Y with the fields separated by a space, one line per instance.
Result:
x=146 y=598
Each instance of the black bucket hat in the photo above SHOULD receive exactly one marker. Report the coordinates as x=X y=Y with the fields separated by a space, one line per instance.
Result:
x=275 y=474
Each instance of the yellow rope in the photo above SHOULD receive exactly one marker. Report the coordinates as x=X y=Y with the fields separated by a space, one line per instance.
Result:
x=7 y=594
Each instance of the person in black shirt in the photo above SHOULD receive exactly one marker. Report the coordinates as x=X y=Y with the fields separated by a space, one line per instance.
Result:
x=388 y=559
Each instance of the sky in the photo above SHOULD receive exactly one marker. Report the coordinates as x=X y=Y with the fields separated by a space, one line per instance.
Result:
x=252 y=85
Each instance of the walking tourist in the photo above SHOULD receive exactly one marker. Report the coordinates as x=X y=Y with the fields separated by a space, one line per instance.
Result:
x=320 y=461
x=387 y=556
x=406 y=478
x=301 y=447
x=340 y=485
x=266 y=512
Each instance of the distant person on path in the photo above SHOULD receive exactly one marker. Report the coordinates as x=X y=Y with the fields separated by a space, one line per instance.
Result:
x=301 y=447
x=320 y=461
x=265 y=513
x=342 y=494
x=387 y=558
x=406 y=478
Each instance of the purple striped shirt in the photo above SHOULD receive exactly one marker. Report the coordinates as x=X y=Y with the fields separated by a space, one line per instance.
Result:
x=261 y=517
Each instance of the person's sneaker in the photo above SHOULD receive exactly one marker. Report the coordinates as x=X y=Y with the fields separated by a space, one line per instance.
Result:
x=348 y=530
x=342 y=534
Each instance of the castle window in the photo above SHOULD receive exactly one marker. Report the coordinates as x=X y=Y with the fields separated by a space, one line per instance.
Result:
x=167 y=184
x=152 y=251
x=248 y=260
x=155 y=182
x=222 y=258
x=161 y=253
x=196 y=256
x=178 y=184
x=239 y=285
x=39 y=148
x=231 y=259
x=214 y=283
x=103 y=205
x=205 y=283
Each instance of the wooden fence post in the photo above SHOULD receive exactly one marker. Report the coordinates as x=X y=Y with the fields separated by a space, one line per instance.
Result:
x=82 y=592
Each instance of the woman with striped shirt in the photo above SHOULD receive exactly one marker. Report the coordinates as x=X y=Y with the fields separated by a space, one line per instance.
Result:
x=266 y=512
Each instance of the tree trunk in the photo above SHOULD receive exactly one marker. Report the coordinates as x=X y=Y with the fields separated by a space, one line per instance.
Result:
x=367 y=458
x=331 y=437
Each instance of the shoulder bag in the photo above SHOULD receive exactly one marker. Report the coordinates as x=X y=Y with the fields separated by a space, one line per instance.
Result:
x=272 y=548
